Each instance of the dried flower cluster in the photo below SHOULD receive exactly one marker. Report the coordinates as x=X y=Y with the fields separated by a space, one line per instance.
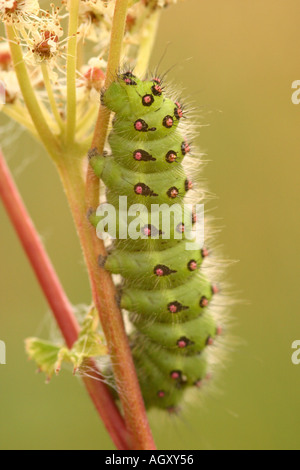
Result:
x=43 y=37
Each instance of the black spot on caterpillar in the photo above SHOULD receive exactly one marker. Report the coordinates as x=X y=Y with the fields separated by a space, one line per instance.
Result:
x=164 y=289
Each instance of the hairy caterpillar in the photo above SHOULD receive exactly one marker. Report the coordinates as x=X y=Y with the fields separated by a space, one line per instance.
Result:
x=164 y=287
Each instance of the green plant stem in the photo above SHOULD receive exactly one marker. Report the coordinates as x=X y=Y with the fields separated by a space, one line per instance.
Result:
x=147 y=44
x=28 y=93
x=71 y=71
x=58 y=301
x=117 y=35
x=22 y=117
x=51 y=97
x=86 y=122
x=80 y=54
x=104 y=292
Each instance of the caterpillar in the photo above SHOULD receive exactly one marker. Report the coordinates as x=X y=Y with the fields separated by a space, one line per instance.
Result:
x=163 y=288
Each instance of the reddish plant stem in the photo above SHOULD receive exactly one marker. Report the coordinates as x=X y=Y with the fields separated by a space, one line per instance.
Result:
x=58 y=301
x=39 y=260
x=106 y=407
x=104 y=296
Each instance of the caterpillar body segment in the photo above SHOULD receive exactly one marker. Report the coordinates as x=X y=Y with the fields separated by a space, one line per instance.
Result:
x=185 y=301
x=187 y=338
x=194 y=366
x=148 y=187
x=149 y=157
x=164 y=287
x=150 y=231
x=132 y=266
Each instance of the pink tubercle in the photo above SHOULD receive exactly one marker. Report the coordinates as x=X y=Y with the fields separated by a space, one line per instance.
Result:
x=173 y=308
x=172 y=157
x=175 y=375
x=179 y=109
x=139 y=190
x=193 y=265
x=215 y=289
x=138 y=156
x=187 y=147
x=204 y=302
x=158 y=89
x=138 y=125
x=169 y=122
x=159 y=272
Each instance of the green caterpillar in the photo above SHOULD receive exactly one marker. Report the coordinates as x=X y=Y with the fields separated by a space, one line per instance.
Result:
x=164 y=287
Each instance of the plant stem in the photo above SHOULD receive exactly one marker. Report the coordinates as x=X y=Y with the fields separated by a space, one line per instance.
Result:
x=104 y=292
x=147 y=44
x=49 y=89
x=22 y=117
x=58 y=301
x=110 y=315
x=117 y=34
x=39 y=260
x=86 y=122
x=106 y=407
x=80 y=54
x=29 y=96
x=71 y=71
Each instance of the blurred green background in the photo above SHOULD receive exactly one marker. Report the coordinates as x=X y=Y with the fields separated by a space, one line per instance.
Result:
x=236 y=61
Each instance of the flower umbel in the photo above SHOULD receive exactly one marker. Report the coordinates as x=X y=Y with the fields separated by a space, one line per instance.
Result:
x=18 y=11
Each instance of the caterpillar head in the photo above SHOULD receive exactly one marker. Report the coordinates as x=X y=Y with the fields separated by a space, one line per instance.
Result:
x=129 y=95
